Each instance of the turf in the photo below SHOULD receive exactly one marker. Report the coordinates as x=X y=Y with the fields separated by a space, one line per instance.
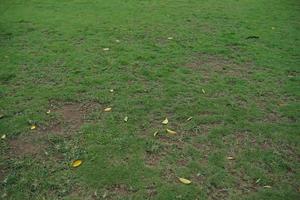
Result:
x=231 y=65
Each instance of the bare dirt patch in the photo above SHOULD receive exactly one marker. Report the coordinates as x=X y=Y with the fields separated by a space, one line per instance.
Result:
x=210 y=65
x=169 y=175
x=26 y=145
x=151 y=191
x=72 y=114
x=71 y=117
x=117 y=191
x=2 y=173
x=152 y=159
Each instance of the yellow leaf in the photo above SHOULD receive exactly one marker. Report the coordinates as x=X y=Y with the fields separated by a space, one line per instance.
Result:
x=3 y=136
x=185 y=181
x=230 y=158
x=171 y=132
x=203 y=91
x=165 y=122
x=189 y=119
x=155 y=133
x=111 y=90
x=105 y=49
x=76 y=163
x=107 y=109
x=48 y=112
x=126 y=119
x=170 y=38
x=33 y=127
x=267 y=186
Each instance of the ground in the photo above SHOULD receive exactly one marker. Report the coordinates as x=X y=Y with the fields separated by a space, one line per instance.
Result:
x=231 y=65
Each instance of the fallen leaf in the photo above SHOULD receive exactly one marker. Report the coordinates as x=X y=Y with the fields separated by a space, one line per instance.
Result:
x=230 y=158
x=48 y=112
x=170 y=38
x=171 y=132
x=111 y=90
x=165 y=122
x=267 y=186
x=189 y=119
x=76 y=163
x=117 y=41
x=3 y=137
x=203 y=91
x=107 y=109
x=126 y=119
x=185 y=181
x=257 y=181
x=155 y=133
x=33 y=127
x=105 y=49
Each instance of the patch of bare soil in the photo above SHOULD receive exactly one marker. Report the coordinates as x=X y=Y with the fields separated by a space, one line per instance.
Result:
x=169 y=175
x=209 y=65
x=72 y=116
x=118 y=191
x=152 y=159
x=151 y=191
x=218 y=193
x=2 y=173
x=27 y=145
x=170 y=142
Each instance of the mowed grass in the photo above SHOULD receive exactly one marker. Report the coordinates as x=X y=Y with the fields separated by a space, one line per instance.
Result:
x=231 y=65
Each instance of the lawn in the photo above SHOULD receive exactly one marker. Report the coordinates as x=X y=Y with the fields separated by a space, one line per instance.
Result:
x=225 y=73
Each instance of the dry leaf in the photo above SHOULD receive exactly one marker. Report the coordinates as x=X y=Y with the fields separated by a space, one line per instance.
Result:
x=107 y=109
x=105 y=49
x=117 y=41
x=185 y=181
x=3 y=136
x=171 y=132
x=126 y=119
x=203 y=91
x=76 y=163
x=165 y=122
x=189 y=119
x=267 y=186
x=155 y=133
x=48 y=112
x=33 y=127
x=257 y=181
x=111 y=90
x=230 y=158
x=170 y=38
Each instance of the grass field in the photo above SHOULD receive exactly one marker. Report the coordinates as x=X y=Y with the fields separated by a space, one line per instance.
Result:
x=224 y=73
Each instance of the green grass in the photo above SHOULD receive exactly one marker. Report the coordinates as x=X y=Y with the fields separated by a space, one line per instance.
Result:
x=52 y=55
